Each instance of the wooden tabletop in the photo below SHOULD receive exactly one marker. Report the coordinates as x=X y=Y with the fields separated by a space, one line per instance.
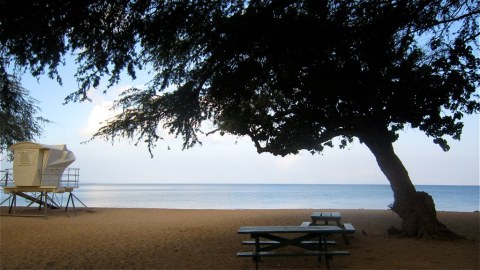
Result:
x=326 y=216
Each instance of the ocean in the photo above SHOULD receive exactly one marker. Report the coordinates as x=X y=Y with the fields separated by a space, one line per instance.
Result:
x=261 y=196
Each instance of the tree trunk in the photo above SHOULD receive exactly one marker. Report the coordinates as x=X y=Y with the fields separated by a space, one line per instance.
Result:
x=416 y=209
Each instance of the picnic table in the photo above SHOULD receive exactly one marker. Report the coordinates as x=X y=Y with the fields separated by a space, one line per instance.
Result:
x=309 y=240
x=327 y=217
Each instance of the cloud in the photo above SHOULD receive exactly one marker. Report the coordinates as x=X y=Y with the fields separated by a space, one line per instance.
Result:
x=111 y=94
x=101 y=109
x=99 y=114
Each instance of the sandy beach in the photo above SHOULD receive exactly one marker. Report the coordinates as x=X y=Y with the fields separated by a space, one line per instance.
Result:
x=208 y=239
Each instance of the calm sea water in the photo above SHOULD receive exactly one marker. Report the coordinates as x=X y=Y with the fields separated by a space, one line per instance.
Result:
x=268 y=196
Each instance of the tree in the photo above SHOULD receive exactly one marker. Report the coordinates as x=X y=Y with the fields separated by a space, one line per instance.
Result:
x=18 y=120
x=292 y=75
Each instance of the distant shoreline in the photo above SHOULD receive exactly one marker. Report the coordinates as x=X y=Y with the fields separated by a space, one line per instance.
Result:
x=262 y=196
x=342 y=184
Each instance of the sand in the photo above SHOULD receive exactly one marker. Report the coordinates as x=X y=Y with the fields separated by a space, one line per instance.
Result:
x=208 y=239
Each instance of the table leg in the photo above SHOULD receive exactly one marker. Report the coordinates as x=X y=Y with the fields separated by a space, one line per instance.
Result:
x=257 y=249
x=320 y=247
x=325 y=249
x=344 y=235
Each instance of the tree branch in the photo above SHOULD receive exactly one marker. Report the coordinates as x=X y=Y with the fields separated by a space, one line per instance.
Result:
x=457 y=18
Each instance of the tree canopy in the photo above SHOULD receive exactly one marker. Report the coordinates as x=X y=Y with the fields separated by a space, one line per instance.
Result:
x=292 y=75
x=18 y=112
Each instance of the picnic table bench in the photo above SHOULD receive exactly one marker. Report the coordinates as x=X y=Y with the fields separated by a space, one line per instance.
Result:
x=310 y=241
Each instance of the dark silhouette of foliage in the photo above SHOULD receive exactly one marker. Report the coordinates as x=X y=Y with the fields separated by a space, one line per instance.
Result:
x=292 y=75
x=18 y=120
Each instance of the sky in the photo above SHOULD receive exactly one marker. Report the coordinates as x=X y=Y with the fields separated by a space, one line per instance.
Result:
x=228 y=159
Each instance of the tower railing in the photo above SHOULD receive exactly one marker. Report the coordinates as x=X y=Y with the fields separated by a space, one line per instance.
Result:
x=68 y=179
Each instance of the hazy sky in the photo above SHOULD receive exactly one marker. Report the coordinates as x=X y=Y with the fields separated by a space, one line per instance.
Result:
x=229 y=159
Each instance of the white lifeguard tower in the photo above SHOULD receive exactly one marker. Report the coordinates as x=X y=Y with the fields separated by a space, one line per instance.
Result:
x=43 y=169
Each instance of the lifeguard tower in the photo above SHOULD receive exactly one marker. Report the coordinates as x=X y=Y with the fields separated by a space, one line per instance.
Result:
x=40 y=169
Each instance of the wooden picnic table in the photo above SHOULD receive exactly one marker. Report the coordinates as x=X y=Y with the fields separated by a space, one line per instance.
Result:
x=310 y=241
x=327 y=217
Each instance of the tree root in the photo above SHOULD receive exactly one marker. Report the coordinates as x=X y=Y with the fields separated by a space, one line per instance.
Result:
x=442 y=233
